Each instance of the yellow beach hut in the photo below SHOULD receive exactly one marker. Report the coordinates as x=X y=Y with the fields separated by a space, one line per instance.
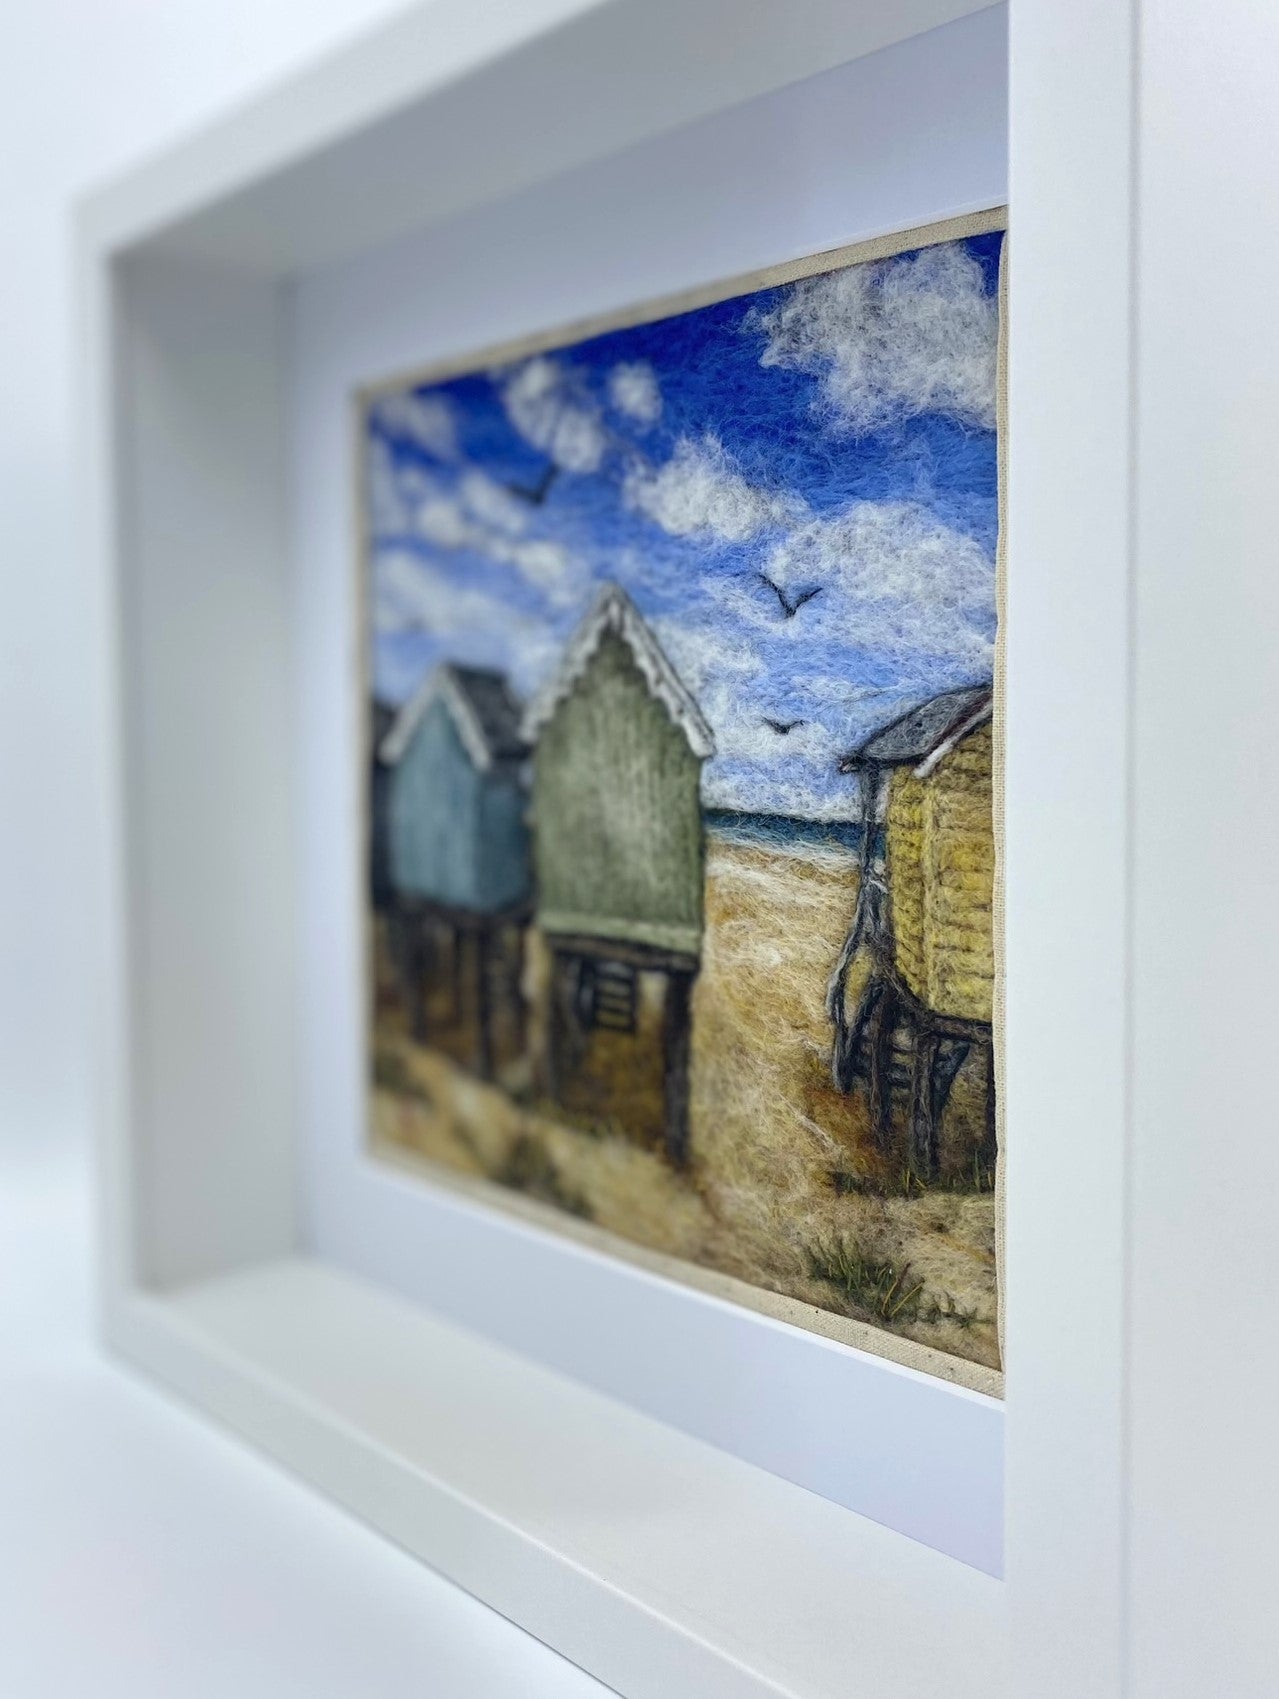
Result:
x=924 y=930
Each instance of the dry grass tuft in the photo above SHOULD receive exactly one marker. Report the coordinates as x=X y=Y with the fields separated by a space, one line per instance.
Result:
x=881 y=1290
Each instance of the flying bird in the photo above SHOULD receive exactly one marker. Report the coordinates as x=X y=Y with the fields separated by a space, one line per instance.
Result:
x=783 y=727
x=790 y=605
x=537 y=495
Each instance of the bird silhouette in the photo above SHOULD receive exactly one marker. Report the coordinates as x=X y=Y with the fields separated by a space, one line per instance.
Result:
x=790 y=605
x=537 y=495
x=783 y=727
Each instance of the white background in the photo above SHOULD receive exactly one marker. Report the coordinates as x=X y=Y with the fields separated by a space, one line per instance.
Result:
x=140 y=1551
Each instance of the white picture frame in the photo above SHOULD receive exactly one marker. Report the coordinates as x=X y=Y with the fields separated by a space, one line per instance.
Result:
x=661 y=1563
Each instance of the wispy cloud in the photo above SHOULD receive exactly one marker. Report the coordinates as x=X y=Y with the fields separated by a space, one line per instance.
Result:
x=492 y=504
x=903 y=336
x=897 y=594
x=480 y=626
x=450 y=520
x=554 y=414
x=633 y=389
x=699 y=490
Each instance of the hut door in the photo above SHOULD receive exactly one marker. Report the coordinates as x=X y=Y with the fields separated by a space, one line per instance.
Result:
x=606 y=995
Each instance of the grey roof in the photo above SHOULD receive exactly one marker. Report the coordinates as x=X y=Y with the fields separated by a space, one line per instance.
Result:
x=383 y=719
x=925 y=731
x=496 y=711
x=484 y=709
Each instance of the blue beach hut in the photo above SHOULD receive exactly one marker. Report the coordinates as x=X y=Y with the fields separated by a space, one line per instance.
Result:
x=459 y=855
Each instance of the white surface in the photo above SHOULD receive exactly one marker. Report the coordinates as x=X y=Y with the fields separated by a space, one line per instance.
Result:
x=144 y=1555
x=665 y=1566
x=86 y=86
x=517 y=91
x=1066 y=844
x=209 y=824
x=834 y=158
x=1144 y=906
x=1203 y=1374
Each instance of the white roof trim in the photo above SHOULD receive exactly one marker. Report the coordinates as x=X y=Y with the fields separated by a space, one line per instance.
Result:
x=614 y=611
x=441 y=683
x=970 y=723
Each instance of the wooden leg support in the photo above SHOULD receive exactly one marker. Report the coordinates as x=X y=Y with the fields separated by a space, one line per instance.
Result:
x=923 y=1115
x=990 y=1140
x=457 y=972
x=483 y=1007
x=879 y=1058
x=419 y=961
x=553 y=1060
x=676 y=1051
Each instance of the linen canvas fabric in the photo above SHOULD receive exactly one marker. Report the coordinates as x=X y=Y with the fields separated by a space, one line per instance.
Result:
x=685 y=759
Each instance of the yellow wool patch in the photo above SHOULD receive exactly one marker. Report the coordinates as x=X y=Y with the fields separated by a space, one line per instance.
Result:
x=941 y=873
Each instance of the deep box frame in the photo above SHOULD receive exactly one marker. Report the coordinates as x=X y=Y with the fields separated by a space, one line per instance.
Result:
x=1139 y=541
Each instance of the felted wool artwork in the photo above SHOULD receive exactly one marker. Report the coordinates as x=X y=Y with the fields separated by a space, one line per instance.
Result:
x=682 y=772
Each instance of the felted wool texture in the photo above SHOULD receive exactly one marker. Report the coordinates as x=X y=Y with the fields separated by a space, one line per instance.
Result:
x=998 y=731
x=795 y=484
x=941 y=859
x=803 y=562
x=768 y=1128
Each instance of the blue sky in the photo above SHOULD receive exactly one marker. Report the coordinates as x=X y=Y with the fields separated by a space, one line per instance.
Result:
x=826 y=447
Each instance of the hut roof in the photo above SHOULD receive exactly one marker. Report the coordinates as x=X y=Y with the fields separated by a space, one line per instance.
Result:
x=923 y=736
x=482 y=707
x=613 y=611
x=384 y=717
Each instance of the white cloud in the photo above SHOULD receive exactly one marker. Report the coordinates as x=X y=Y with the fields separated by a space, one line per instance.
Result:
x=426 y=420
x=448 y=521
x=699 y=490
x=894 y=580
x=553 y=568
x=492 y=503
x=633 y=390
x=893 y=338
x=549 y=412
x=473 y=514
x=757 y=768
x=699 y=652
x=411 y=594
x=441 y=521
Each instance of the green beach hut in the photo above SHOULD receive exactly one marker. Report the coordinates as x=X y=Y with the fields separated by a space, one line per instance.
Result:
x=618 y=746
